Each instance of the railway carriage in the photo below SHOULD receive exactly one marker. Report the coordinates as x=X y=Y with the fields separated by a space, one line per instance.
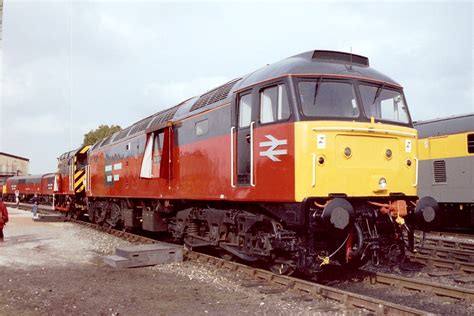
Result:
x=446 y=172
x=306 y=161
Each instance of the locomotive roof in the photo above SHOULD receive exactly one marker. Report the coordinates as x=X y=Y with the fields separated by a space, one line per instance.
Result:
x=445 y=126
x=318 y=62
x=312 y=62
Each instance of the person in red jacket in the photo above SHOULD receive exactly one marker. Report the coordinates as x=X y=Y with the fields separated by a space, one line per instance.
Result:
x=3 y=218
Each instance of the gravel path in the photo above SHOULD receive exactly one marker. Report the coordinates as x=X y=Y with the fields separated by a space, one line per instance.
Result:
x=57 y=269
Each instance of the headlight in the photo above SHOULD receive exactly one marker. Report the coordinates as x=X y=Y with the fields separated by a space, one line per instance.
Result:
x=347 y=152
x=388 y=153
x=382 y=183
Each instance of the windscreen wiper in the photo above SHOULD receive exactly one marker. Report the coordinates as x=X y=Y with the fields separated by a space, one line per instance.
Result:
x=377 y=93
x=316 y=89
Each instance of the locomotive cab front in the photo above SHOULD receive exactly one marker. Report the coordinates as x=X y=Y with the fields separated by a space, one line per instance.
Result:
x=356 y=165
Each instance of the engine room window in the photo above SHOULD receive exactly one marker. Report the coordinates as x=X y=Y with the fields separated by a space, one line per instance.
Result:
x=245 y=110
x=202 y=127
x=321 y=98
x=274 y=104
x=384 y=104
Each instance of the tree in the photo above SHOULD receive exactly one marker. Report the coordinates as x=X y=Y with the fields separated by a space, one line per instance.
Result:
x=99 y=133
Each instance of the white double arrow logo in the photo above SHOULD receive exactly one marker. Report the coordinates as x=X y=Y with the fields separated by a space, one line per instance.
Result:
x=273 y=144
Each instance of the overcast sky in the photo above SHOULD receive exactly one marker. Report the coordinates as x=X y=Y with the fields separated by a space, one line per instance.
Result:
x=69 y=66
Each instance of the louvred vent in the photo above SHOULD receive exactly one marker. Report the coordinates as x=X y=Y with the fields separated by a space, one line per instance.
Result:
x=439 y=171
x=215 y=95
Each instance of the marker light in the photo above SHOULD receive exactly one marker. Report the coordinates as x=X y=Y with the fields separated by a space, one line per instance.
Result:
x=382 y=183
x=388 y=153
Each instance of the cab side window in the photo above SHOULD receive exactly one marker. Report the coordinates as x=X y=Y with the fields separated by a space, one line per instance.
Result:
x=274 y=104
x=245 y=110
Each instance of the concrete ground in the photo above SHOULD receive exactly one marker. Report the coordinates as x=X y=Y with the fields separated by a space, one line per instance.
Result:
x=57 y=269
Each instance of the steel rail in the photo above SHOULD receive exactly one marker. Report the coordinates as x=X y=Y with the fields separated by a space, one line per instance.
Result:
x=348 y=299
x=430 y=262
x=445 y=243
x=421 y=286
x=447 y=235
x=447 y=253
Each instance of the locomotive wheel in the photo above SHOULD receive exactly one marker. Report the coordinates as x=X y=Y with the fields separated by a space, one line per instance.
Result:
x=100 y=215
x=114 y=216
x=282 y=266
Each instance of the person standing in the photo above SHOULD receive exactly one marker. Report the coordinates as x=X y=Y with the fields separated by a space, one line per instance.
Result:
x=17 y=198
x=35 y=205
x=3 y=217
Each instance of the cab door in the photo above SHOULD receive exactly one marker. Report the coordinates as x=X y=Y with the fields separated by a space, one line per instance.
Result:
x=244 y=140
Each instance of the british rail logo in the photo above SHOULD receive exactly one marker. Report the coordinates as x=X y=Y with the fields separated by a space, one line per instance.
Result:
x=272 y=151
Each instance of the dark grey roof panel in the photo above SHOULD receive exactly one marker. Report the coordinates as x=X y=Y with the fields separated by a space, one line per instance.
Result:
x=305 y=64
x=445 y=126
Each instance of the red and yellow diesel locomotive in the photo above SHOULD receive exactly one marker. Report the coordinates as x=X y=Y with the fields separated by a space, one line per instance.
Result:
x=302 y=162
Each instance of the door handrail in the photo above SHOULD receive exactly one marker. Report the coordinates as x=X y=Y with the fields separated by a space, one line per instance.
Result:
x=251 y=154
x=232 y=129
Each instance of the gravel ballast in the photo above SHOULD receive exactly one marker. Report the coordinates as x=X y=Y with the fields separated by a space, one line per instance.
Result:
x=58 y=269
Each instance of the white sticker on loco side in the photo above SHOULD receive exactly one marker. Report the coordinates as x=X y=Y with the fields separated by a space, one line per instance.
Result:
x=116 y=177
x=109 y=178
x=408 y=145
x=108 y=168
x=118 y=166
x=321 y=141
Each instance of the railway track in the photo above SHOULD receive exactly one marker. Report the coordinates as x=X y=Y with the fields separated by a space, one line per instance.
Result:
x=347 y=298
x=281 y=283
x=455 y=242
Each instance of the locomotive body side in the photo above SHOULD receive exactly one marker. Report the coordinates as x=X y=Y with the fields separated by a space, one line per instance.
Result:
x=69 y=182
x=446 y=152
x=47 y=186
x=27 y=186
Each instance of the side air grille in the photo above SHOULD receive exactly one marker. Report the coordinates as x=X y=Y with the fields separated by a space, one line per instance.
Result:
x=470 y=143
x=439 y=171
x=107 y=141
x=217 y=94
x=123 y=133
x=140 y=126
x=164 y=115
